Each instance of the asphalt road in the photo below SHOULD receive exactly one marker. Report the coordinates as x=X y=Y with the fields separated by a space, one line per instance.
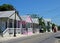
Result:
x=40 y=38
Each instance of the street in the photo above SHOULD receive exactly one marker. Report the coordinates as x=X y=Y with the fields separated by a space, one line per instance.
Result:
x=40 y=38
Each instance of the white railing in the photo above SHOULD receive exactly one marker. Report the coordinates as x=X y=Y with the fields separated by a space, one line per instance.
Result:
x=12 y=30
x=6 y=30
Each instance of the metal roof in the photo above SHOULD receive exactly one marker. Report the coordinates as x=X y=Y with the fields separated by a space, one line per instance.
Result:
x=6 y=13
x=35 y=20
x=29 y=19
x=9 y=14
x=26 y=18
x=47 y=20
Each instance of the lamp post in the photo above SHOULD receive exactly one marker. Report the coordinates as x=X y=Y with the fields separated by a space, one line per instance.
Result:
x=15 y=25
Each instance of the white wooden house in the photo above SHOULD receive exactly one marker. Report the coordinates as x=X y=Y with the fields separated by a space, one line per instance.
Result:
x=26 y=24
x=35 y=22
x=31 y=24
x=7 y=22
x=50 y=25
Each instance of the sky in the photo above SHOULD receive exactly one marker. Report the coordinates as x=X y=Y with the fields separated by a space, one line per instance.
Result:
x=43 y=8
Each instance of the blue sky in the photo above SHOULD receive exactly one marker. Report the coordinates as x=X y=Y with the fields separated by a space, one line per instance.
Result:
x=45 y=8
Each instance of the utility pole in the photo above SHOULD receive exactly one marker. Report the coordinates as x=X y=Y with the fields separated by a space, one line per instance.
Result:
x=15 y=25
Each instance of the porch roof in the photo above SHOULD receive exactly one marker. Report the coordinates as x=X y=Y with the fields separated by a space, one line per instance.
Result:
x=35 y=20
x=9 y=14
x=6 y=13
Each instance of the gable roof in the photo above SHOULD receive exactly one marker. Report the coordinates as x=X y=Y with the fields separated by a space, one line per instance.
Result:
x=26 y=18
x=30 y=20
x=47 y=20
x=35 y=20
x=6 y=13
x=9 y=14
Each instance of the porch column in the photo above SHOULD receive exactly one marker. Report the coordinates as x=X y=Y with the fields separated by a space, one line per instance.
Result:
x=17 y=26
x=17 y=23
x=13 y=23
x=8 y=23
x=21 y=27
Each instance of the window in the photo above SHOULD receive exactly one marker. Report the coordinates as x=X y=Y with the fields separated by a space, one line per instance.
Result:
x=6 y=25
x=18 y=24
x=28 y=25
x=10 y=25
x=23 y=25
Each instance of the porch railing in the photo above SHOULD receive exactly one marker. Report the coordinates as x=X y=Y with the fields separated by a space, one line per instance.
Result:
x=11 y=30
x=6 y=30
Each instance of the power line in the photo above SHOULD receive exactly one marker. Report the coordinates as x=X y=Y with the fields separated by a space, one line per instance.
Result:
x=52 y=10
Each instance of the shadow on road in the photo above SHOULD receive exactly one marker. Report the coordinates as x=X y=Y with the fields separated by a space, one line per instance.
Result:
x=58 y=37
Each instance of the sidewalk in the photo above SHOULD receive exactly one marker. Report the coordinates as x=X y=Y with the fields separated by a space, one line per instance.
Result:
x=18 y=36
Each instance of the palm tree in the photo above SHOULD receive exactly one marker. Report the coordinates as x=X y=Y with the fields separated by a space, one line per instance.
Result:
x=42 y=23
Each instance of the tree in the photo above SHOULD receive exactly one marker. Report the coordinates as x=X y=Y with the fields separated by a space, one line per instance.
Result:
x=42 y=23
x=6 y=7
x=53 y=25
x=48 y=26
